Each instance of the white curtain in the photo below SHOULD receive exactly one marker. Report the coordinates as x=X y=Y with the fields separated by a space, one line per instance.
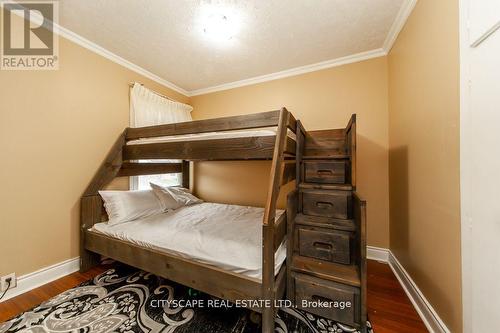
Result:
x=147 y=108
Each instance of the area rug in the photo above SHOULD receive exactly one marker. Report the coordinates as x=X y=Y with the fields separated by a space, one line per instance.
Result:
x=124 y=299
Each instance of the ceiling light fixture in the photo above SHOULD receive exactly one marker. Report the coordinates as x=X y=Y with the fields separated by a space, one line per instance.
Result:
x=219 y=24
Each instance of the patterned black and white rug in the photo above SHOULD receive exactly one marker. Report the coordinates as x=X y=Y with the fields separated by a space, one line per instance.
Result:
x=125 y=300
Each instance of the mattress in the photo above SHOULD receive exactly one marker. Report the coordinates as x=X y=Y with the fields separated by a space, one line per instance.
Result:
x=267 y=131
x=225 y=236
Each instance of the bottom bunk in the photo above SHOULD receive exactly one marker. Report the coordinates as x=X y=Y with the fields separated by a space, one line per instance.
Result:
x=214 y=248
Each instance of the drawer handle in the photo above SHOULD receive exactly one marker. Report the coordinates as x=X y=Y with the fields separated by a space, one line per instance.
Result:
x=324 y=204
x=323 y=246
x=325 y=172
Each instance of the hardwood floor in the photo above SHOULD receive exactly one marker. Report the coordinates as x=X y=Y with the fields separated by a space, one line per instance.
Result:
x=389 y=309
x=29 y=300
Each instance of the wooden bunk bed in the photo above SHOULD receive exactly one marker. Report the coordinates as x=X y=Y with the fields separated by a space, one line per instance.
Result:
x=286 y=150
x=280 y=148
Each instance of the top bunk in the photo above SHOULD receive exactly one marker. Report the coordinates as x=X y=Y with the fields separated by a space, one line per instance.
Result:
x=246 y=137
x=260 y=136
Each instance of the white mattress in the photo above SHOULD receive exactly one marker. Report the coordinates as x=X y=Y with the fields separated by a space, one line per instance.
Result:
x=226 y=236
x=267 y=131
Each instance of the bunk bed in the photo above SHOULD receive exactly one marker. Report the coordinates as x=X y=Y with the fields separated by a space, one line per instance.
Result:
x=273 y=135
x=324 y=225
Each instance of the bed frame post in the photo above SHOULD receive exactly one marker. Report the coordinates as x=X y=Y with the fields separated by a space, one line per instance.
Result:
x=185 y=174
x=268 y=278
x=350 y=137
x=90 y=214
x=91 y=205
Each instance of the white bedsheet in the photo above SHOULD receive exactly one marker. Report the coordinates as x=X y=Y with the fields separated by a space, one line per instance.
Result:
x=226 y=236
x=266 y=131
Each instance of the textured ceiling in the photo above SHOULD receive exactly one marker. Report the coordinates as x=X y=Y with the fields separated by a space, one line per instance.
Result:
x=166 y=37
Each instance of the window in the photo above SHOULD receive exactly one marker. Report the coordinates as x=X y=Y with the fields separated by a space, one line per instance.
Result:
x=168 y=179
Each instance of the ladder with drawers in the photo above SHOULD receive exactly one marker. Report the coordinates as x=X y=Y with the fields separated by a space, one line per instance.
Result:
x=326 y=259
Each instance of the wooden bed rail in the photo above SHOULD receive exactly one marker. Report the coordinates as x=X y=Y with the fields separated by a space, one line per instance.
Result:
x=277 y=168
x=139 y=169
x=109 y=168
x=272 y=234
x=246 y=148
x=250 y=121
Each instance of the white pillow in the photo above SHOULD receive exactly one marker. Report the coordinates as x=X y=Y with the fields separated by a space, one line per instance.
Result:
x=167 y=200
x=174 y=197
x=124 y=206
x=183 y=196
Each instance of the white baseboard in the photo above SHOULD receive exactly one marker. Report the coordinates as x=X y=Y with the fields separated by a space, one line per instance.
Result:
x=377 y=253
x=425 y=310
x=43 y=276
x=429 y=316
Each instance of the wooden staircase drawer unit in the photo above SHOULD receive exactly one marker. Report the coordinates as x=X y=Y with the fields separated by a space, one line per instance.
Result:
x=325 y=172
x=331 y=245
x=328 y=299
x=336 y=204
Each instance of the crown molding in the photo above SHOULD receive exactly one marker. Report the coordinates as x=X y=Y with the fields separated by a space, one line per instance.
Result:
x=398 y=24
x=85 y=43
x=292 y=72
x=77 y=39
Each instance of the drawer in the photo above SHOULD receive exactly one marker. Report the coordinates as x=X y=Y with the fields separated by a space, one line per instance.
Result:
x=325 y=172
x=327 y=203
x=331 y=245
x=328 y=299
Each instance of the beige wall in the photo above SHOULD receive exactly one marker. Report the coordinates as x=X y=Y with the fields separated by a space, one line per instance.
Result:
x=55 y=129
x=424 y=154
x=322 y=99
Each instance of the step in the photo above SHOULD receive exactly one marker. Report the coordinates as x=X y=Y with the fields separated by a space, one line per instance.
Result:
x=325 y=222
x=327 y=157
x=317 y=186
x=346 y=274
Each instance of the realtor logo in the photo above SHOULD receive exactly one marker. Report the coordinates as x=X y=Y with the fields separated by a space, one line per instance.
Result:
x=29 y=40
